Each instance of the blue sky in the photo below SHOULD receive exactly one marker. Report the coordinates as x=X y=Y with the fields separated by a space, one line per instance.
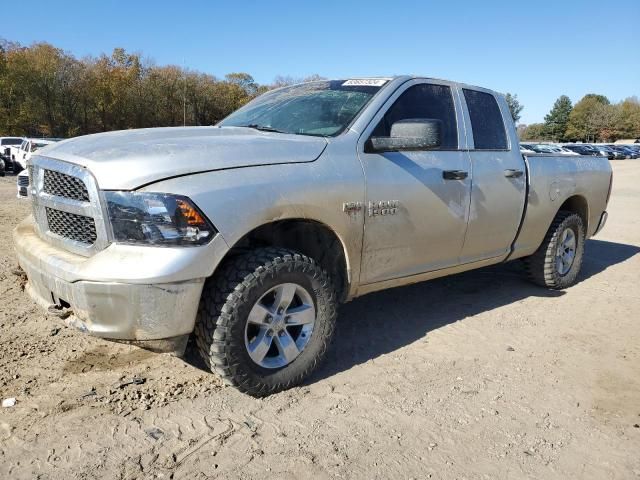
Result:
x=536 y=49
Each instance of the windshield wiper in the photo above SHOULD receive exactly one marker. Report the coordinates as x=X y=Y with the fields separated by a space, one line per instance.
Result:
x=262 y=128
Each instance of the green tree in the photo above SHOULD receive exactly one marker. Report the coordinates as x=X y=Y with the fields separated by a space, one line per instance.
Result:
x=515 y=107
x=244 y=81
x=535 y=131
x=629 y=118
x=556 y=121
x=584 y=121
x=605 y=120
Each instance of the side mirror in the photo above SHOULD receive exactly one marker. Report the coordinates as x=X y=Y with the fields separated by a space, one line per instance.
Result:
x=410 y=134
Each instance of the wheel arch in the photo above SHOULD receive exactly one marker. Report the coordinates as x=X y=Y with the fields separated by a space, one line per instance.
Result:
x=309 y=237
x=577 y=204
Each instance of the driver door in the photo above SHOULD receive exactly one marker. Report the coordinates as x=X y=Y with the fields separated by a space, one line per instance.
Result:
x=416 y=211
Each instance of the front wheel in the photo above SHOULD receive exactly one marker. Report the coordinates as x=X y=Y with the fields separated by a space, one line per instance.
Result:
x=558 y=260
x=266 y=319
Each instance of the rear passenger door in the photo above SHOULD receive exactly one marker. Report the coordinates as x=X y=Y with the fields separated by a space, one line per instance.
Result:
x=499 y=177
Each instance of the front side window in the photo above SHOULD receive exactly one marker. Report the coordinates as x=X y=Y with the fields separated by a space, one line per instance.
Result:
x=486 y=121
x=322 y=108
x=426 y=101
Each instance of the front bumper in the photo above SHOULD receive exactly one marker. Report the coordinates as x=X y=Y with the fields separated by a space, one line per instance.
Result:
x=123 y=292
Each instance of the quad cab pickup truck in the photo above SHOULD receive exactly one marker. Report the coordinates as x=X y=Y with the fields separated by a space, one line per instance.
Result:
x=248 y=234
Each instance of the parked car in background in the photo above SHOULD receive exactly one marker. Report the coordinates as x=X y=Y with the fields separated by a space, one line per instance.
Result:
x=600 y=152
x=14 y=153
x=28 y=146
x=582 y=149
x=548 y=148
x=626 y=151
x=618 y=154
x=567 y=151
x=605 y=151
x=539 y=148
x=28 y=150
x=250 y=233
x=5 y=150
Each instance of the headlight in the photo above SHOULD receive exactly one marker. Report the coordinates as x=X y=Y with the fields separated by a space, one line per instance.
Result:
x=156 y=219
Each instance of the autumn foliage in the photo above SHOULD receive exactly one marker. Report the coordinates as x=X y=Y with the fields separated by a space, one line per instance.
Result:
x=45 y=91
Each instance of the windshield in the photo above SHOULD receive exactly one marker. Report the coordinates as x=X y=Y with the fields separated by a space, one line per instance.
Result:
x=323 y=108
x=11 y=141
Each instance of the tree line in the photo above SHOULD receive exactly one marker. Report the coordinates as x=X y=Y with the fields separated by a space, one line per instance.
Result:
x=45 y=91
x=593 y=119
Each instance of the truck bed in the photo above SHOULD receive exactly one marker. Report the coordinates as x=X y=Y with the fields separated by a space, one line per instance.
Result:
x=561 y=178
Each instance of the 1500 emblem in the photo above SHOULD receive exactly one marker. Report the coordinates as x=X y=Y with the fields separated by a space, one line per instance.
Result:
x=374 y=209
x=383 y=207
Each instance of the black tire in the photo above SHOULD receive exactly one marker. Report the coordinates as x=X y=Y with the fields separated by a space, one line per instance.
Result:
x=226 y=300
x=542 y=267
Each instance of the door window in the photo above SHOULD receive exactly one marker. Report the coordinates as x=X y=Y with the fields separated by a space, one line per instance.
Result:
x=424 y=100
x=486 y=121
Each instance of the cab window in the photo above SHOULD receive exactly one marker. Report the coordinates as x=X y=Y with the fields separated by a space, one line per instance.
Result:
x=425 y=100
x=486 y=121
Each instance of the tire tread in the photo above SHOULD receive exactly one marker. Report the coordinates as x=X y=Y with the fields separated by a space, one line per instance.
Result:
x=226 y=291
x=540 y=266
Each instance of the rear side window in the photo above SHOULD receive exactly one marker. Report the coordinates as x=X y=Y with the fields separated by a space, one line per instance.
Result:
x=425 y=100
x=486 y=121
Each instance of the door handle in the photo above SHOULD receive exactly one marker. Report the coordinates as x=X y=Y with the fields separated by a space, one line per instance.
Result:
x=512 y=173
x=454 y=174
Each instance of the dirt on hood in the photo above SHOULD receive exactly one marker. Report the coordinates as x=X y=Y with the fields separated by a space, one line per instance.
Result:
x=127 y=159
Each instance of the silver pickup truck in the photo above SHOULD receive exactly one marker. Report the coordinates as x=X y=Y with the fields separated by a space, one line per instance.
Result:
x=248 y=234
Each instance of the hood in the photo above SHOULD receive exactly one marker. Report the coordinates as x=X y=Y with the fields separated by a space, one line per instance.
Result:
x=128 y=159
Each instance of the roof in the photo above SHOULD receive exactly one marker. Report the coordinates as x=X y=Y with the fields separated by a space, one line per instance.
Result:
x=405 y=78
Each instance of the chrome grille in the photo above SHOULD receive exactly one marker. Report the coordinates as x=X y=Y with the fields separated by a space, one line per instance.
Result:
x=66 y=206
x=63 y=185
x=69 y=225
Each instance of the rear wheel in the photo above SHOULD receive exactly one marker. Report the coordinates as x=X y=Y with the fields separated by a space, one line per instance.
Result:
x=557 y=262
x=266 y=320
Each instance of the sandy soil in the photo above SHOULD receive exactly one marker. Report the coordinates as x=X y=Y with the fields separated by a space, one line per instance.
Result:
x=481 y=375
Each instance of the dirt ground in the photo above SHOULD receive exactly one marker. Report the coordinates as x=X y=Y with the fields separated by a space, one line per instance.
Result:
x=480 y=375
